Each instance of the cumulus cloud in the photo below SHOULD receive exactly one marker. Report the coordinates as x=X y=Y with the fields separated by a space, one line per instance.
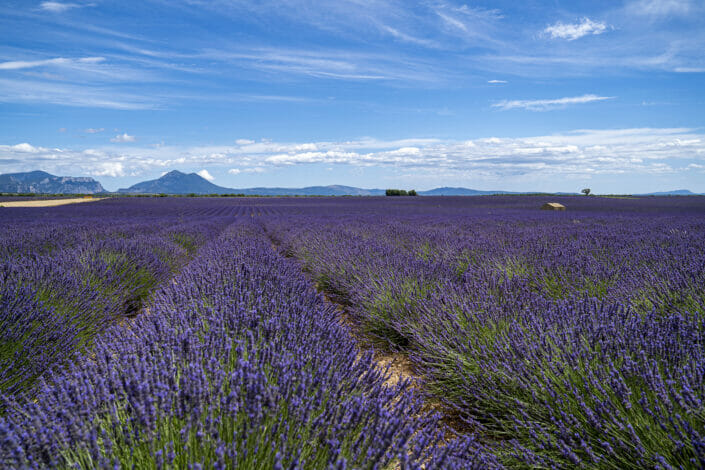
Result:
x=307 y=146
x=549 y=104
x=496 y=81
x=123 y=138
x=573 y=31
x=94 y=131
x=25 y=148
x=573 y=154
x=244 y=141
x=204 y=174
x=112 y=169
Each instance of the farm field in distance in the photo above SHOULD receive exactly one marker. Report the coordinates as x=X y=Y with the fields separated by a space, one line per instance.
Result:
x=246 y=332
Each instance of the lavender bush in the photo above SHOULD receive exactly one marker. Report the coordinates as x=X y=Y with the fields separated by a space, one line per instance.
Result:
x=554 y=340
x=237 y=364
x=572 y=339
x=66 y=279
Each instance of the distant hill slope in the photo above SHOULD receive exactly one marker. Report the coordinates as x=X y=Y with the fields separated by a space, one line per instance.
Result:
x=333 y=190
x=176 y=182
x=41 y=182
x=459 y=192
x=677 y=192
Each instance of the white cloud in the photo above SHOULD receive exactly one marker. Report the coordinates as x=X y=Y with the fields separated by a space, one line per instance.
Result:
x=496 y=81
x=244 y=141
x=407 y=37
x=406 y=151
x=237 y=171
x=25 y=148
x=94 y=131
x=308 y=147
x=546 y=105
x=58 y=7
x=573 y=31
x=660 y=7
x=59 y=61
x=123 y=138
x=112 y=169
x=325 y=64
x=573 y=154
x=689 y=69
x=44 y=92
x=204 y=174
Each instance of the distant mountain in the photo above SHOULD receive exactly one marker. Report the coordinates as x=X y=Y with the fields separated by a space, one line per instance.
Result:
x=677 y=192
x=176 y=182
x=41 y=182
x=459 y=192
x=333 y=190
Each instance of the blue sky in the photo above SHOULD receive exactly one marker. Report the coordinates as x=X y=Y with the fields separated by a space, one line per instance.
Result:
x=533 y=95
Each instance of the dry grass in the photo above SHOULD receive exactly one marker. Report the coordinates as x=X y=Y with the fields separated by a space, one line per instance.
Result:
x=48 y=202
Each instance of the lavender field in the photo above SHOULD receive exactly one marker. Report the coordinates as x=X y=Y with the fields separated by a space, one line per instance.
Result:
x=245 y=333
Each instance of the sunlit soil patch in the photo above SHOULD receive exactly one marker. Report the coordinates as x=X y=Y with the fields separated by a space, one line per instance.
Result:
x=50 y=202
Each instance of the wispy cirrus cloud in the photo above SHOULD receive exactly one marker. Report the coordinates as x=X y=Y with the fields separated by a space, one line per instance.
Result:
x=76 y=95
x=325 y=64
x=573 y=31
x=548 y=104
x=58 y=7
x=406 y=37
x=660 y=8
x=59 y=61
x=435 y=25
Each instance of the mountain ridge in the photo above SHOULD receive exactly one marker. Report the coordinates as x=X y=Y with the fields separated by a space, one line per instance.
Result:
x=41 y=182
x=179 y=183
x=176 y=182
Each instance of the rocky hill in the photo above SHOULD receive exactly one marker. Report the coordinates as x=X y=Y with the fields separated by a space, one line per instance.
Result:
x=41 y=182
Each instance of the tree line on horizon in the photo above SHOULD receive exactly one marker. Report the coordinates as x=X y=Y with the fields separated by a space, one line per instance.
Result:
x=400 y=192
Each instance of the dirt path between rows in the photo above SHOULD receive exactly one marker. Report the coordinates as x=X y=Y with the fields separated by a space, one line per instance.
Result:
x=50 y=202
x=397 y=364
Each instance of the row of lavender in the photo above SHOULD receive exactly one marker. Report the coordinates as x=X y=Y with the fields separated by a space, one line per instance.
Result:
x=66 y=274
x=573 y=338
x=237 y=364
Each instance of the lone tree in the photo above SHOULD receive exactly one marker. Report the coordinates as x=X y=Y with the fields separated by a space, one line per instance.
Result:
x=586 y=191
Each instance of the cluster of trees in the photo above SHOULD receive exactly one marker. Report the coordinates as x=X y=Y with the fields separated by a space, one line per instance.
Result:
x=400 y=192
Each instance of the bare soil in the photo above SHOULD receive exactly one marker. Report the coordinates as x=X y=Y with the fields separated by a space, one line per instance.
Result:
x=49 y=202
